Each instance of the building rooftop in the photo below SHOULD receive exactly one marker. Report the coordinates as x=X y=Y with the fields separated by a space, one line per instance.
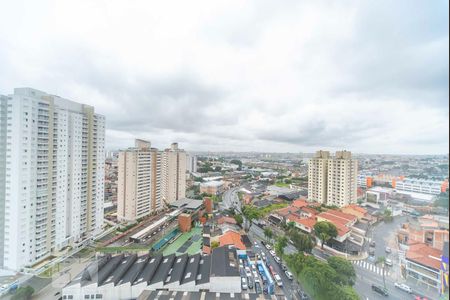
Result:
x=224 y=262
x=424 y=255
x=232 y=238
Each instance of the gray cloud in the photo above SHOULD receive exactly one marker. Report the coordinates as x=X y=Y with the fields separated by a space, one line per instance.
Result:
x=253 y=75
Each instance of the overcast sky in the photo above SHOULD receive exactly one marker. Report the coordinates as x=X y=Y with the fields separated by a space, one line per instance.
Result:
x=282 y=76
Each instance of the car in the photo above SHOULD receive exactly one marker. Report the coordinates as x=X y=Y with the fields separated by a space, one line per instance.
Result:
x=372 y=244
x=253 y=267
x=277 y=259
x=268 y=247
x=403 y=287
x=380 y=290
x=371 y=252
x=283 y=267
x=388 y=262
x=250 y=283
x=244 y=283
x=272 y=253
x=255 y=274
x=278 y=280
x=266 y=290
x=57 y=293
x=388 y=250
x=289 y=275
x=263 y=243
x=258 y=288
x=302 y=295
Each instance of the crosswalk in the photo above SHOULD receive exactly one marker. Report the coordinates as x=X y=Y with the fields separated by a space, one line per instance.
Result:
x=371 y=267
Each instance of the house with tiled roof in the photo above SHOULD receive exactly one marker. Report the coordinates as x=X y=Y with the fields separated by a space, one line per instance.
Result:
x=232 y=238
x=341 y=220
x=423 y=264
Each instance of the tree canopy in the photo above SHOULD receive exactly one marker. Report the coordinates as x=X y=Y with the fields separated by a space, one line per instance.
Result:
x=325 y=231
x=345 y=272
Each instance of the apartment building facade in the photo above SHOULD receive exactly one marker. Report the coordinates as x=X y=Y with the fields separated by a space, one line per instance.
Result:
x=317 y=177
x=332 y=180
x=148 y=179
x=173 y=168
x=52 y=175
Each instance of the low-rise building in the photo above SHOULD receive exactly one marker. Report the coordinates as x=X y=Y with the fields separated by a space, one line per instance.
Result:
x=419 y=186
x=212 y=187
x=423 y=264
x=127 y=277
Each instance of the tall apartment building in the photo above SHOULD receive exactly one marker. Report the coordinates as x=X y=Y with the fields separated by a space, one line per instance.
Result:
x=191 y=163
x=174 y=173
x=342 y=179
x=317 y=177
x=51 y=175
x=333 y=180
x=139 y=177
x=148 y=179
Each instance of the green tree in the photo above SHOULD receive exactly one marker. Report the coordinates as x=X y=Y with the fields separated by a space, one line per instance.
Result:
x=239 y=219
x=251 y=213
x=281 y=243
x=345 y=293
x=325 y=231
x=345 y=272
x=382 y=261
x=268 y=233
x=290 y=226
x=23 y=293
x=387 y=215
x=302 y=242
x=214 y=244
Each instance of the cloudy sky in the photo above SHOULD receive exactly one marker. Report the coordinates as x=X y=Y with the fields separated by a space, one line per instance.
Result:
x=367 y=76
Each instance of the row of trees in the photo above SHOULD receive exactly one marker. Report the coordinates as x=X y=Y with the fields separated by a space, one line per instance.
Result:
x=331 y=280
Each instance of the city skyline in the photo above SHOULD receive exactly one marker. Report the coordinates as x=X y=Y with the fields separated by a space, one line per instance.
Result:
x=275 y=78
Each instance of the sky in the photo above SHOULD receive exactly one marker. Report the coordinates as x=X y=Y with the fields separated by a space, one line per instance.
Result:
x=268 y=76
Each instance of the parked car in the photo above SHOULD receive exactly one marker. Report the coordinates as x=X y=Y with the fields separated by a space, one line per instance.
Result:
x=244 y=283
x=289 y=275
x=372 y=244
x=268 y=247
x=388 y=250
x=283 y=266
x=266 y=290
x=403 y=287
x=380 y=290
x=371 y=252
x=302 y=295
x=258 y=288
x=250 y=283
x=277 y=259
x=272 y=253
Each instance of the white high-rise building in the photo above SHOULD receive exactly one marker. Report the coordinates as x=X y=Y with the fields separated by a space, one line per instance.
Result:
x=51 y=175
x=191 y=163
x=139 y=182
x=342 y=179
x=333 y=180
x=173 y=169
x=317 y=177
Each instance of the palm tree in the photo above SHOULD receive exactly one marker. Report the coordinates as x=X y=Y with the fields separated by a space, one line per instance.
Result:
x=268 y=233
x=382 y=260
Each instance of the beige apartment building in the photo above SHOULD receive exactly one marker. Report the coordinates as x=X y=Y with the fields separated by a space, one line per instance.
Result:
x=333 y=180
x=317 y=177
x=173 y=168
x=148 y=179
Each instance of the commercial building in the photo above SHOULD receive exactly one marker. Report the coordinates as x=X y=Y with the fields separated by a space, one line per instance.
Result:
x=423 y=264
x=127 y=277
x=431 y=230
x=419 y=186
x=173 y=167
x=51 y=175
x=333 y=180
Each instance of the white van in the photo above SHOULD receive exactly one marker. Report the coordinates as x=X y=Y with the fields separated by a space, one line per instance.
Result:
x=278 y=280
x=403 y=287
x=244 y=283
x=289 y=275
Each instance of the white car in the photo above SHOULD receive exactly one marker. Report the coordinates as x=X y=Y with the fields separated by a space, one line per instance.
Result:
x=289 y=275
x=244 y=283
x=403 y=287
x=253 y=267
x=268 y=247
x=278 y=280
x=388 y=262
x=388 y=250
x=272 y=253
x=277 y=259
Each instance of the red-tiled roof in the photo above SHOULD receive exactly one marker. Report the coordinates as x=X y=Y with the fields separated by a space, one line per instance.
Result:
x=299 y=203
x=307 y=222
x=225 y=219
x=424 y=255
x=357 y=208
x=310 y=210
x=335 y=216
x=286 y=211
x=232 y=238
